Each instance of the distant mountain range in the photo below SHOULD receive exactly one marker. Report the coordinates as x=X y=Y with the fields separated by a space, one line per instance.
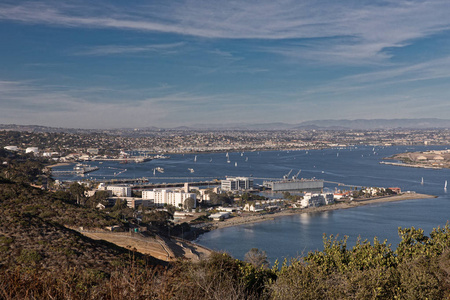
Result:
x=363 y=124
x=359 y=124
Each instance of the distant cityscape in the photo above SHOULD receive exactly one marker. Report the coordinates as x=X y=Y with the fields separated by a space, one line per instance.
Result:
x=197 y=141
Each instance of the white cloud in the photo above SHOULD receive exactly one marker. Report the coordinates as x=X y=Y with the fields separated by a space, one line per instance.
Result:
x=122 y=49
x=358 y=30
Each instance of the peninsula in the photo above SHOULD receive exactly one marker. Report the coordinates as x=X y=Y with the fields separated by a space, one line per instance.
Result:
x=255 y=218
x=436 y=159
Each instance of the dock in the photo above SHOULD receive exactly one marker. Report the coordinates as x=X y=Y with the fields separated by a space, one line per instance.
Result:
x=79 y=170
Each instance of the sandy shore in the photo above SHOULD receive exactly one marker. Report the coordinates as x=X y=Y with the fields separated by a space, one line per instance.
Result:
x=59 y=165
x=254 y=218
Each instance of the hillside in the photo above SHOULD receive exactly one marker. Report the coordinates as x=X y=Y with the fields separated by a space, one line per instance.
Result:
x=41 y=258
x=33 y=231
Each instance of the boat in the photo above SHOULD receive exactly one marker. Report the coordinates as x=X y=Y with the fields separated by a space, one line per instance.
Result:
x=246 y=158
x=191 y=170
x=445 y=185
x=421 y=181
x=159 y=169
x=195 y=158
x=228 y=161
x=235 y=164
x=226 y=155
x=210 y=160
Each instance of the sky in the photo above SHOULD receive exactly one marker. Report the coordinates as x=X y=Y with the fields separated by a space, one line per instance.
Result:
x=114 y=64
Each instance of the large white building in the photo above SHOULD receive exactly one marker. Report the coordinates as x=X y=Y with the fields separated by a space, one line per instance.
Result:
x=236 y=184
x=119 y=190
x=169 y=197
x=314 y=200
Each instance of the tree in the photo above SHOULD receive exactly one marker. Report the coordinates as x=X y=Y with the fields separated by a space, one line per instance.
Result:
x=257 y=258
x=189 y=203
x=77 y=190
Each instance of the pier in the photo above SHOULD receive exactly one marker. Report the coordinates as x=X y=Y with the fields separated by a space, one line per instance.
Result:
x=79 y=170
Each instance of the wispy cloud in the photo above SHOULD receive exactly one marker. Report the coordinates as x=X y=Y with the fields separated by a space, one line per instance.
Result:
x=350 y=30
x=122 y=49
x=70 y=107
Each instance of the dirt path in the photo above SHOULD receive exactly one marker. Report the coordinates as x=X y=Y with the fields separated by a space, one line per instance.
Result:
x=158 y=247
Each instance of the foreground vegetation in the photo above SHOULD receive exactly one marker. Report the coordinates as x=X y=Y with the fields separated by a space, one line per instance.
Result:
x=42 y=258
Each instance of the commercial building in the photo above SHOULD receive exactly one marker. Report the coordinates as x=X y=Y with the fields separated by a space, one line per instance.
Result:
x=163 y=197
x=236 y=184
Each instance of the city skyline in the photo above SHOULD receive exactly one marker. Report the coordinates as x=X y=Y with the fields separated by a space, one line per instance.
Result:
x=113 y=64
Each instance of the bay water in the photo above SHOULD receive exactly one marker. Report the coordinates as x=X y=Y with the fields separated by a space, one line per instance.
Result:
x=290 y=236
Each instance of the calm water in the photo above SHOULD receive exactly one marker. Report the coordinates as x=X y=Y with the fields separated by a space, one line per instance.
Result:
x=293 y=235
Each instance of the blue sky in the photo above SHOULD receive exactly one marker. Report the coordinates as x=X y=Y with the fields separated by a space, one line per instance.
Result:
x=111 y=64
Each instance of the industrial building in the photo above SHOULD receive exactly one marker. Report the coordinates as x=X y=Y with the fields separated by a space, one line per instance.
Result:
x=294 y=185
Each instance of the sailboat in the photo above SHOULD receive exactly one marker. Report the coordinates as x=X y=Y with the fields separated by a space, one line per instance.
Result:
x=246 y=158
x=195 y=158
x=445 y=185
x=421 y=181
x=235 y=164
x=210 y=160
x=226 y=154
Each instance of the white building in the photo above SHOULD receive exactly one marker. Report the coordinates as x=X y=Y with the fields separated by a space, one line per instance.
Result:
x=119 y=190
x=264 y=205
x=34 y=150
x=315 y=200
x=236 y=183
x=12 y=148
x=220 y=216
x=169 y=197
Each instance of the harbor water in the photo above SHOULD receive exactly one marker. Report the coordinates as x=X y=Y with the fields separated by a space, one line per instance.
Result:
x=294 y=235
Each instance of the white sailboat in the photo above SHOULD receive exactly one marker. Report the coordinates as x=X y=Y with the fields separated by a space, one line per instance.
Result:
x=421 y=182
x=246 y=158
x=445 y=185
x=195 y=158
x=235 y=164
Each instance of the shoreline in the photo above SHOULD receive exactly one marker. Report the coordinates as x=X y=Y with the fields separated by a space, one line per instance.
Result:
x=250 y=219
x=59 y=165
